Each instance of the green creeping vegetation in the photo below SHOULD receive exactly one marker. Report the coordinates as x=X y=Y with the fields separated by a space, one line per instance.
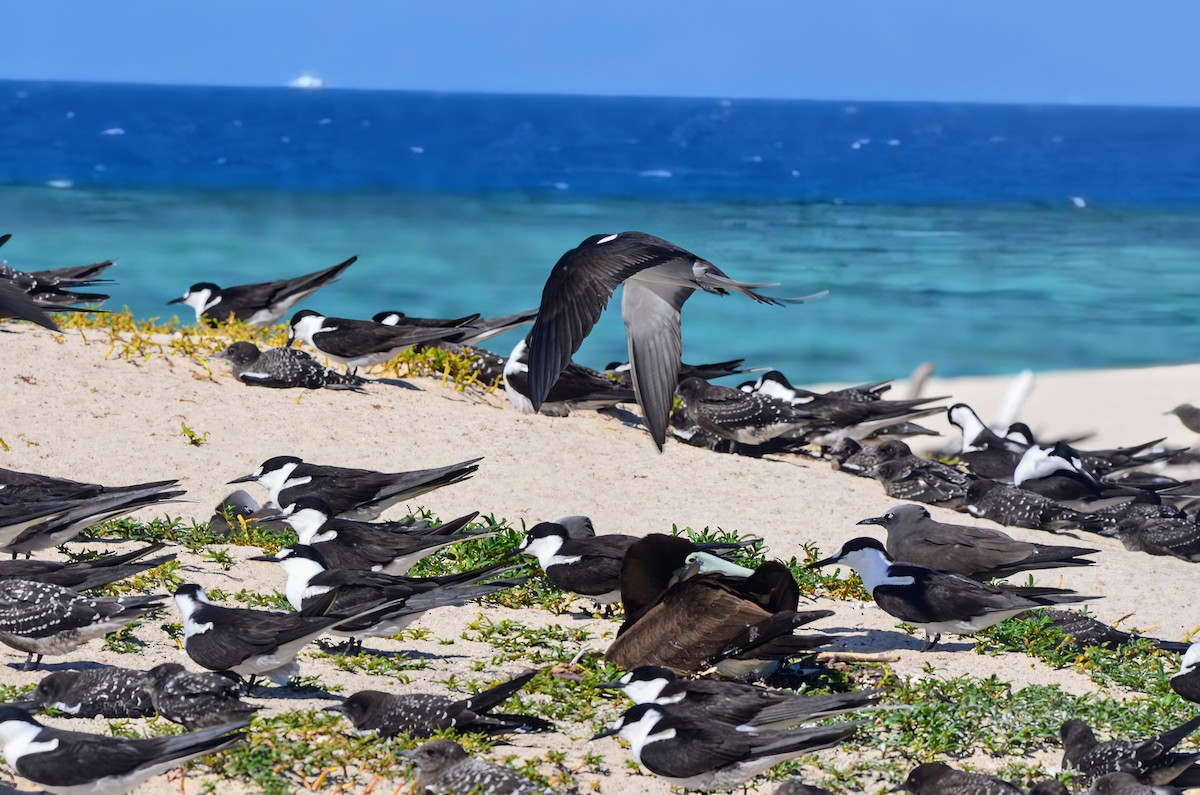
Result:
x=929 y=717
x=196 y=537
x=136 y=340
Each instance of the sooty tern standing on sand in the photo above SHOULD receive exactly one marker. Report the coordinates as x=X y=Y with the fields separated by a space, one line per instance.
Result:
x=75 y=763
x=695 y=753
x=258 y=304
x=309 y=581
x=444 y=768
x=250 y=642
x=39 y=618
x=679 y=617
x=421 y=715
x=106 y=691
x=748 y=706
x=284 y=368
x=939 y=601
x=938 y=778
x=351 y=493
x=577 y=387
x=475 y=329
x=1152 y=760
x=391 y=547
x=361 y=343
x=975 y=552
x=197 y=699
x=658 y=277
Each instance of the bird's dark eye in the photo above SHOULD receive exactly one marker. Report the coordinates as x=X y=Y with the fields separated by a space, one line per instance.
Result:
x=889 y=516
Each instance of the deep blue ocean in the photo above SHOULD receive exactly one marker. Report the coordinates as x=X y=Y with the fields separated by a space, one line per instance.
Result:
x=985 y=238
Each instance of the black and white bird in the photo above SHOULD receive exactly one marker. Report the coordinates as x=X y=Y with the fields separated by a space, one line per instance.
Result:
x=658 y=277
x=249 y=643
x=389 y=547
x=83 y=575
x=361 y=343
x=351 y=493
x=421 y=715
x=284 y=368
x=355 y=591
x=680 y=618
x=1056 y=472
x=258 y=304
x=197 y=699
x=107 y=691
x=1186 y=682
x=747 y=706
x=913 y=536
x=939 y=601
x=445 y=768
x=983 y=451
x=695 y=753
x=588 y=566
x=740 y=417
x=577 y=387
x=75 y=763
x=40 y=618
x=474 y=329
x=1153 y=760
x=938 y=778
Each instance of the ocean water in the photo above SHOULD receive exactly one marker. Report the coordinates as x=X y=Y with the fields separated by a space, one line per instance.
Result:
x=987 y=239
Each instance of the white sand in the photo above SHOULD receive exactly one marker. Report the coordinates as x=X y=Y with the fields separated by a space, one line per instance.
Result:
x=71 y=412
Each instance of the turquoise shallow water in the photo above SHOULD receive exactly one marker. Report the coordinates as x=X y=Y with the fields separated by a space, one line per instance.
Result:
x=976 y=289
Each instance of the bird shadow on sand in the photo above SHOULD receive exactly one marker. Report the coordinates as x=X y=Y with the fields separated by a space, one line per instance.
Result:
x=396 y=382
x=49 y=668
x=290 y=692
x=871 y=641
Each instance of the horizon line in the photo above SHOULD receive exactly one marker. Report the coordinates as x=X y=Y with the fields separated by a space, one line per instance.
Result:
x=606 y=95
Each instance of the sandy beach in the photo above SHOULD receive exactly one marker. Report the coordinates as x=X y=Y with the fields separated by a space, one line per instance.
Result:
x=74 y=411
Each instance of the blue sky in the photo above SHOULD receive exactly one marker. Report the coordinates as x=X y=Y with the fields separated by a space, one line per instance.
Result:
x=1044 y=51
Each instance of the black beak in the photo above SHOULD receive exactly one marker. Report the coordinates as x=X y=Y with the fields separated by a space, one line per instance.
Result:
x=872 y=520
x=176 y=301
x=605 y=733
x=265 y=558
x=617 y=685
x=275 y=517
x=333 y=708
x=244 y=479
x=825 y=562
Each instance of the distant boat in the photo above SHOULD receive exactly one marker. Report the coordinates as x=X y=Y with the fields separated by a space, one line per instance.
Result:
x=307 y=81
